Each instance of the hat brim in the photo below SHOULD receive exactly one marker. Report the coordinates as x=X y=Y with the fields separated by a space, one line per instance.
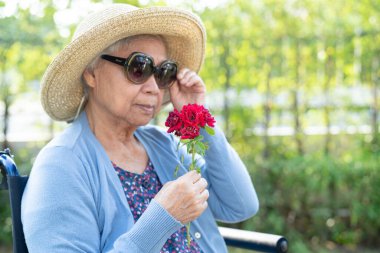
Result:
x=183 y=32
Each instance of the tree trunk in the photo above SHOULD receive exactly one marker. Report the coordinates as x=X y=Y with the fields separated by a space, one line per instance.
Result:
x=296 y=103
x=267 y=113
x=329 y=70
x=7 y=100
x=357 y=56
x=7 y=104
x=375 y=104
x=227 y=87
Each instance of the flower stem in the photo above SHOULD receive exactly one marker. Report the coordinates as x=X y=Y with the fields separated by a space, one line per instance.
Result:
x=188 y=234
x=192 y=166
x=192 y=155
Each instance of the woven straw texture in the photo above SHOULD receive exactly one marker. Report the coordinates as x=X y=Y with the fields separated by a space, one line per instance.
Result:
x=61 y=88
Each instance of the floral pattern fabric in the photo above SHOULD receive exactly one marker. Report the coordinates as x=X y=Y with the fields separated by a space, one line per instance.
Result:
x=140 y=189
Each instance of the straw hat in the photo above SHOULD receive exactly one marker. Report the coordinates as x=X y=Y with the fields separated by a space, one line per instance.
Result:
x=61 y=88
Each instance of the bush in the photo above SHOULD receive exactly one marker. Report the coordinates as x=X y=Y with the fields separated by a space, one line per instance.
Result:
x=318 y=199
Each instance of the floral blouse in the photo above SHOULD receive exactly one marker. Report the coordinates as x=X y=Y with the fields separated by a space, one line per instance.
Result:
x=140 y=189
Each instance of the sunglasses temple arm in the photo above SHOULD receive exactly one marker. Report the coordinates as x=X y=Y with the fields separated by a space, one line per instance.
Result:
x=117 y=60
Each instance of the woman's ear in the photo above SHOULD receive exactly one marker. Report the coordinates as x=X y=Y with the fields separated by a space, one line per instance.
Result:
x=89 y=78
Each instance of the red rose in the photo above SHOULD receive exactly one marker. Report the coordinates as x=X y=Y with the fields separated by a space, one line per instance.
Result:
x=191 y=114
x=174 y=122
x=201 y=115
x=189 y=132
x=208 y=118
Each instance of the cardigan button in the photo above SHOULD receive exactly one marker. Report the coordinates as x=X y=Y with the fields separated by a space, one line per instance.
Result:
x=197 y=235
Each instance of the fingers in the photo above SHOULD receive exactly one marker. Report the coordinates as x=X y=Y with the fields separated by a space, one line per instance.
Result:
x=185 y=198
x=195 y=206
x=189 y=78
x=182 y=73
x=192 y=176
x=203 y=199
x=200 y=185
x=189 y=88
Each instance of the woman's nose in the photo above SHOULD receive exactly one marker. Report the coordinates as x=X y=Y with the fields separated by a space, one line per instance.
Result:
x=151 y=86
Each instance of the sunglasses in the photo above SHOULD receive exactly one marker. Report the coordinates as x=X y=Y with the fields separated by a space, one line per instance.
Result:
x=139 y=67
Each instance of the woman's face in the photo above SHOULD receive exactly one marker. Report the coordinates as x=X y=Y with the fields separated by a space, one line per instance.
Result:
x=113 y=94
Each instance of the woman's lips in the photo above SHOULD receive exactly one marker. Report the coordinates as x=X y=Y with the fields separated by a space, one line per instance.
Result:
x=146 y=108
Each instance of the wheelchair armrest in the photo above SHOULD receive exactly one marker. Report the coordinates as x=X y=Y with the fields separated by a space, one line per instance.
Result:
x=254 y=240
x=7 y=167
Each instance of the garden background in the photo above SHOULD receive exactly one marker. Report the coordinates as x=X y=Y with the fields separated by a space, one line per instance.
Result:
x=294 y=84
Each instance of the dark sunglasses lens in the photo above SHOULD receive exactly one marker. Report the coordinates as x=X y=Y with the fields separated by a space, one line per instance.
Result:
x=166 y=74
x=139 y=68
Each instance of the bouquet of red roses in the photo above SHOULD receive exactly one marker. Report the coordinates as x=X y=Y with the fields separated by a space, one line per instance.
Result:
x=186 y=124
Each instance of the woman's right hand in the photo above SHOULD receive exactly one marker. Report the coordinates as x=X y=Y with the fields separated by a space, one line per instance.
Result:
x=184 y=198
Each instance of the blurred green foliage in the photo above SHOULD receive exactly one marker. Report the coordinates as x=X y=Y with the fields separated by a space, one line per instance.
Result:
x=317 y=200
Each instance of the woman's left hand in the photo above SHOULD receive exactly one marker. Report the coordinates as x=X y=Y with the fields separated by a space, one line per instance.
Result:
x=188 y=89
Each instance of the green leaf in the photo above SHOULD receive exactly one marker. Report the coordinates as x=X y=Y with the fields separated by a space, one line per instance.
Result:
x=189 y=147
x=198 y=138
x=182 y=158
x=176 y=171
x=185 y=141
x=210 y=130
x=200 y=148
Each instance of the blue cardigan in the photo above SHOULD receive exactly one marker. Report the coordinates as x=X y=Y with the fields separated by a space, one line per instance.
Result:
x=74 y=201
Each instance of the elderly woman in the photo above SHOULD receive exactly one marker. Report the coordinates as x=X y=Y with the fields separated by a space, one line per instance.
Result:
x=107 y=183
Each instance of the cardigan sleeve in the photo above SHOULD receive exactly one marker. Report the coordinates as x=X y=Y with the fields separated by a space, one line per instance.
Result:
x=60 y=214
x=58 y=209
x=232 y=195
